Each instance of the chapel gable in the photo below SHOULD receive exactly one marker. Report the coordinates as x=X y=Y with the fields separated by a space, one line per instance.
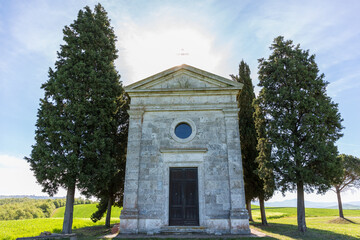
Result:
x=183 y=77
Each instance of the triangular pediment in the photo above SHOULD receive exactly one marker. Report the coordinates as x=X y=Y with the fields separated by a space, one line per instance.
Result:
x=183 y=77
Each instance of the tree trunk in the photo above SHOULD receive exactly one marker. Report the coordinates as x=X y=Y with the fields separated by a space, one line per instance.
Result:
x=248 y=207
x=262 y=211
x=69 y=210
x=301 y=207
x=108 y=213
x=341 y=214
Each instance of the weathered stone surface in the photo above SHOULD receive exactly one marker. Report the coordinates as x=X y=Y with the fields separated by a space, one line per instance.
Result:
x=208 y=104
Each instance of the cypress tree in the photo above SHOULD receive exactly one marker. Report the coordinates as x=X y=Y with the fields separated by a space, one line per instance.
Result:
x=349 y=178
x=264 y=169
x=77 y=125
x=112 y=193
x=302 y=123
x=247 y=135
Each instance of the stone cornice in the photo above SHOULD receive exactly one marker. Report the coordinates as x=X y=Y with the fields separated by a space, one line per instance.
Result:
x=183 y=150
x=200 y=107
x=167 y=91
x=231 y=112
x=136 y=112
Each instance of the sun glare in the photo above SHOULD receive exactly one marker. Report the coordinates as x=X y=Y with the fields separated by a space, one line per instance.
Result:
x=150 y=52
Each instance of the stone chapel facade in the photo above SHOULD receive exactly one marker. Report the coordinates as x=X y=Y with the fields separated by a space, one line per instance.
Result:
x=183 y=159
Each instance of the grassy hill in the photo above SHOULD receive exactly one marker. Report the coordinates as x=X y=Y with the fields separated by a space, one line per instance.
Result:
x=345 y=206
x=12 y=229
x=84 y=211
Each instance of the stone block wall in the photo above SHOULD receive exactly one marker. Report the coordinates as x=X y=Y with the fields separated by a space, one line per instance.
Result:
x=210 y=127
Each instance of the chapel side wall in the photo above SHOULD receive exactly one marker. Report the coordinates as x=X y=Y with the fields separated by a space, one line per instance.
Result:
x=150 y=177
x=129 y=214
x=211 y=134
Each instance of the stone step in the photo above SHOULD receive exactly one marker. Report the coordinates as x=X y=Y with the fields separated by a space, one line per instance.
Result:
x=183 y=230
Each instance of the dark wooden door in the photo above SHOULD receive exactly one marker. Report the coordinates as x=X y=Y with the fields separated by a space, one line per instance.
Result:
x=183 y=204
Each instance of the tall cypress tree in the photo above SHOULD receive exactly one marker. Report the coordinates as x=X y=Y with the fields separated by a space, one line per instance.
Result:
x=247 y=135
x=77 y=123
x=302 y=123
x=112 y=194
x=264 y=168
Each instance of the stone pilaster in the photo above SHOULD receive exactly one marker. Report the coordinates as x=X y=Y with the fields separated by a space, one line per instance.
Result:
x=239 y=218
x=129 y=218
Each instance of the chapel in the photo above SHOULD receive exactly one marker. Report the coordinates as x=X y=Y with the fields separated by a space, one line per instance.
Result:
x=183 y=169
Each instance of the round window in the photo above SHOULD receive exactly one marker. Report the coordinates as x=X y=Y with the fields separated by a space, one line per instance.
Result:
x=183 y=130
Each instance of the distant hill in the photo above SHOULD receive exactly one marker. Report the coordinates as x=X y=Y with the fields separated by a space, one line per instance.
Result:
x=309 y=204
x=29 y=196
x=346 y=206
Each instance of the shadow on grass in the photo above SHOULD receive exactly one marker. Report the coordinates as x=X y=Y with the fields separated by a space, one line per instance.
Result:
x=92 y=232
x=340 y=220
x=291 y=231
x=96 y=232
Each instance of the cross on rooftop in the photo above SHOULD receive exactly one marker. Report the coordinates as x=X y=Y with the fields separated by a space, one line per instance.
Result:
x=183 y=53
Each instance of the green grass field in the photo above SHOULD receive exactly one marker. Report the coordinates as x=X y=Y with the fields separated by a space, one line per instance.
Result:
x=13 y=229
x=282 y=224
x=317 y=228
x=84 y=211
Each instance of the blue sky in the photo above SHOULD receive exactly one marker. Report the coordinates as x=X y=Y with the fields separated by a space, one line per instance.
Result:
x=151 y=34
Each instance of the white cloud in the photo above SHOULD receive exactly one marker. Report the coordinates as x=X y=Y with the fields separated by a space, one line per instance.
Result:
x=17 y=179
x=328 y=28
x=348 y=82
x=325 y=27
x=36 y=26
x=35 y=30
x=1 y=27
x=307 y=21
x=148 y=51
